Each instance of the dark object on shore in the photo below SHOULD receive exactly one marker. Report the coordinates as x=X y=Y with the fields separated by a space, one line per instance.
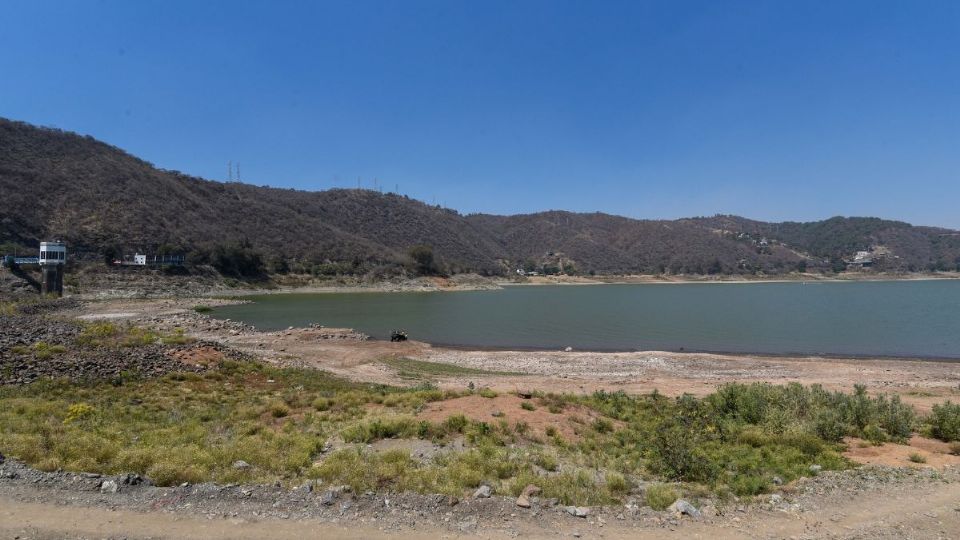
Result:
x=398 y=335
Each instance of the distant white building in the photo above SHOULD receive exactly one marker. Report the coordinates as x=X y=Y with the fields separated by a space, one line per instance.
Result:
x=139 y=260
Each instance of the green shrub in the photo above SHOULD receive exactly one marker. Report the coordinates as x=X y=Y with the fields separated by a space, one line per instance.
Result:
x=660 y=496
x=78 y=411
x=829 y=425
x=384 y=428
x=917 y=458
x=278 y=409
x=875 y=434
x=546 y=461
x=455 y=423
x=202 y=309
x=944 y=421
x=487 y=393
x=322 y=403
x=617 y=484
x=527 y=406
x=44 y=350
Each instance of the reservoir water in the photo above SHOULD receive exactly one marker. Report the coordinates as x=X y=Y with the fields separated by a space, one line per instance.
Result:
x=895 y=318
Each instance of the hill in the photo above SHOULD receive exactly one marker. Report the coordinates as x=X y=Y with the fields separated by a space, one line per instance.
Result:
x=101 y=199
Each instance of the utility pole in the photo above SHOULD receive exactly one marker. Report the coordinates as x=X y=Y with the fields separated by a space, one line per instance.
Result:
x=230 y=171
x=238 y=171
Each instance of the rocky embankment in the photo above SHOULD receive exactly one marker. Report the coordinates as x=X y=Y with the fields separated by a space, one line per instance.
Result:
x=34 y=346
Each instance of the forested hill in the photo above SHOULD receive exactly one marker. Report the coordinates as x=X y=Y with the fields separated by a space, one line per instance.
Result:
x=100 y=199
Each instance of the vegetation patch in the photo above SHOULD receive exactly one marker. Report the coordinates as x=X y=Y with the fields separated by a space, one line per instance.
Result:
x=109 y=334
x=188 y=427
x=408 y=368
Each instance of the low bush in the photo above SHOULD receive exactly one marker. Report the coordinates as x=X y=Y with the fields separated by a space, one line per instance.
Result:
x=944 y=421
x=660 y=496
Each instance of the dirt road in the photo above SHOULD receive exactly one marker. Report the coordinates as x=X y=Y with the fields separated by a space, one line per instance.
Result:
x=888 y=509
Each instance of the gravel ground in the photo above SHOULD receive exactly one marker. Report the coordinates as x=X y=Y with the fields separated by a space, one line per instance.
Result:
x=830 y=505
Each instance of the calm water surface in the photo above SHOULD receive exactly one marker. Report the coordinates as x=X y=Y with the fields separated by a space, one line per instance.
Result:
x=906 y=318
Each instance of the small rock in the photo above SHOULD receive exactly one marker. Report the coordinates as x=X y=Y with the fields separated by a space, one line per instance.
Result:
x=525 y=394
x=777 y=481
x=816 y=468
x=709 y=511
x=683 y=507
x=2 y=459
x=135 y=480
x=578 y=511
x=776 y=499
x=568 y=349
x=523 y=501
x=452 y=501
x=109 y=486
x=328 y=497
x=241 y=465
x=482 y=492
x=530 y=490
x=467 y=524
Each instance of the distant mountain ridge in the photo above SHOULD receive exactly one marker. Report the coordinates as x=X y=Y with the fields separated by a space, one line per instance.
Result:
x=96 y=196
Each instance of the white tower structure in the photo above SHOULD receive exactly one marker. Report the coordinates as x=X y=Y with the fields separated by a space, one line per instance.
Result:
x=53 y=256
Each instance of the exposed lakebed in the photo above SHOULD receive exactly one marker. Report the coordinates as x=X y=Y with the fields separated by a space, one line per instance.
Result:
x=895 y=318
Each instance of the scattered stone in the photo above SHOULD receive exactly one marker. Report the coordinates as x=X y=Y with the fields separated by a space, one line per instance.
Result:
x=483 y=492
x=568 y=349
x=525 y=394
x=523 y=502
x=328 y=497
x=135 y=480
x=709 y=511
x=578 y=511
x=682 y=507
x=241 y=465
x=109 y=486
x=777 y=481
x=452 y=501
x=816 y=468
x=2 y=459
x=467 y=525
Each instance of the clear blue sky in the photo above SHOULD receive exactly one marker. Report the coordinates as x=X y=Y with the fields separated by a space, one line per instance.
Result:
x=778 y=110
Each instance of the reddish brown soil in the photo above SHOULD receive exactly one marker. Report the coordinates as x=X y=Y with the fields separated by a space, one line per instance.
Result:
x=199 y=356
x=936 y=453
x=568 y=422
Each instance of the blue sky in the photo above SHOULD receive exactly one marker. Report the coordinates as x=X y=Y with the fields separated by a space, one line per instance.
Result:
x=772 y=110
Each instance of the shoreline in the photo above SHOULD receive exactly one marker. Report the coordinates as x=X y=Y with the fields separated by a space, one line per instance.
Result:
x=693 y=352
x=496 y=284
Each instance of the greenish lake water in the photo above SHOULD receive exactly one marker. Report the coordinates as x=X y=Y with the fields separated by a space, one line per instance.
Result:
x=896 y=318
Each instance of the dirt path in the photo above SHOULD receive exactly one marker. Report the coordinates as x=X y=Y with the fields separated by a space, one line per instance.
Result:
x=929 y=510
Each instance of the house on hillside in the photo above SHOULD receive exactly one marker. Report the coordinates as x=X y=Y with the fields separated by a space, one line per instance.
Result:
x=861 y=260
